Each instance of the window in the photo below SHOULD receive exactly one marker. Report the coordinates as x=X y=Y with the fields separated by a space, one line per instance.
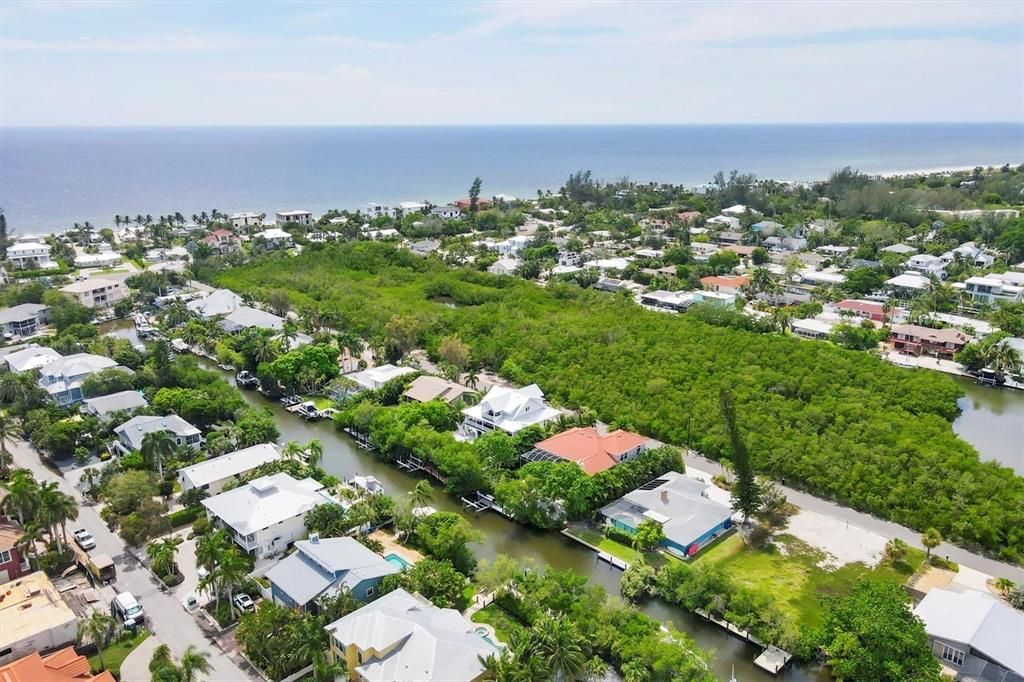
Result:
x=370 y=591
x=5 y=556
x=951 y=654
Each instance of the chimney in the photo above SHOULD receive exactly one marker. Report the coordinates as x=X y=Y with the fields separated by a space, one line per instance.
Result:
x=664 y=497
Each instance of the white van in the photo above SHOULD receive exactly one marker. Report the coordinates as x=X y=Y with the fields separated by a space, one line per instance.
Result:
x=128 y=610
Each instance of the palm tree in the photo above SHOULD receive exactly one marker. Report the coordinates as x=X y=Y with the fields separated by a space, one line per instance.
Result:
x=931 y=539
x=193 y=662
x=314 y=452
x=97 y=628
x=56 y=508
x=421 y=495
x=22 y=495
x=232 y=571
x=162 y=555
x=326 y=669
x=32 y=534
x=293 y=450
x=560 y=644
x=472 y=378
x=1004 y=585
x=6 y=431
x=288 y=333
x=1003 y=359
x=157 y=446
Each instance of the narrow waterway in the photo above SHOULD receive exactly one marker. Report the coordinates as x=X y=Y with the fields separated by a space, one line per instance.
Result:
x=992 y=420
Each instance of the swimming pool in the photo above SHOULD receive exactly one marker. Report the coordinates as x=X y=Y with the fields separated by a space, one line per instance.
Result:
x=397 y=560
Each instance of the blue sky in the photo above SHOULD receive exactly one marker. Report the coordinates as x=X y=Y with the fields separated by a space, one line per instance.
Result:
x=100 y=62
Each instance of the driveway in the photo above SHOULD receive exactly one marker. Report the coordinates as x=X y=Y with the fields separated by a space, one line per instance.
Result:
x=165 y=616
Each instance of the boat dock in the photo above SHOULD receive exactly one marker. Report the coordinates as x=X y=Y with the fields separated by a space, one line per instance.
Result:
x=772 y=660
x=411 y=464
x=479 y=502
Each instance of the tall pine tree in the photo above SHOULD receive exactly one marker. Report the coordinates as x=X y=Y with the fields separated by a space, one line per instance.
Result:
x=746 y=494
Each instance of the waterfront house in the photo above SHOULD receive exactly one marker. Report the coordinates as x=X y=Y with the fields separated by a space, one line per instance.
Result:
x=218 y=302
x=213 y=474
x=104 y=258
x=13 y=562
x=30 y=357
x=592 y=450
x=131 y=433
x=402 y=637
x=374 y=377
x=323 y=567
x=30 y=255
x=689 y=518
x=23 y=320
x=504 y=266
x=507 y=409
x=62 y=378
x=96 y=292
x=425 y=388
x=106 y=405
x=917 y=340
x=65 y=665
x=244 y=317
x=268 y=514
x=975 y=635
x=282 y=218
x=275 y=238
x=35 y=618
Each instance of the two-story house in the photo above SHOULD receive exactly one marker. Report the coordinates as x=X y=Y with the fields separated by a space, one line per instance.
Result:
x=96 y=292
x=507 y=409
x=993 y=289
x=927 y=264
x=266 y=515
x=592 y=450
x=298 y=217
x=917 y=340
x=223 y=241
x=23 y=320
x=323 y=567
x=62 y=377
x=131 y=434
x=402 y=637
x=13 y=563
x=30 y=255
x=213 y=474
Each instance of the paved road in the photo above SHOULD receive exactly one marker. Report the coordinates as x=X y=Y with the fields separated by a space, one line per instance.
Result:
x=166 y=617
x=885 y=528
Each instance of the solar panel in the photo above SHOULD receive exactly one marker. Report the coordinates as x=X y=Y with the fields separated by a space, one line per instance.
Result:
x=651 y=485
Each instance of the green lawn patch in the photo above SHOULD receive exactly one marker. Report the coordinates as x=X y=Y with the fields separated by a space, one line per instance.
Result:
x=787 y=569
x=116 y=652
x=502 y=621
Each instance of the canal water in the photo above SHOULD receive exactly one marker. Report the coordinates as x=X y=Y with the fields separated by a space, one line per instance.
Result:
x=992 y=420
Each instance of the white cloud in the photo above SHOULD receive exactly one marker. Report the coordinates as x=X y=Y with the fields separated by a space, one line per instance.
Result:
x=351 y=73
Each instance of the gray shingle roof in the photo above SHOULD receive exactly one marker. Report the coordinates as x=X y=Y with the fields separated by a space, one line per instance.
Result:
x=136 y=428
x=122 y=400
x=327 y=565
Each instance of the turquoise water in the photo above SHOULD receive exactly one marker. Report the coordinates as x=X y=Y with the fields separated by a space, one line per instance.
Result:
x=53 y=177
x=397 y=560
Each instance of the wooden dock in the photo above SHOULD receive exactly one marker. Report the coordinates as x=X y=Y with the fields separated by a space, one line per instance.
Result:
x=773 y=659
x=412 y=464
x=361 y=439
x=479 y=502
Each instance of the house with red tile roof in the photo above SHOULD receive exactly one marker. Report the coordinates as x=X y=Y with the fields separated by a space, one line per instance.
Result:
x=729 y=284
x=869 y=310
x=593 y=451
x=13 y=563
x=60 y=666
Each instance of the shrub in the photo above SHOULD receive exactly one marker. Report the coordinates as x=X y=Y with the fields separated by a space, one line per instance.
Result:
x=184 y=517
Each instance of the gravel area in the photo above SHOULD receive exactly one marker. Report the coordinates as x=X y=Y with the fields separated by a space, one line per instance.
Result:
x=842 y=542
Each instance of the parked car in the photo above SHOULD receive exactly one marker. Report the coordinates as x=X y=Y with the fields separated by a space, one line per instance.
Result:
x=126 y=608
x=84 y=539
x=244 y=603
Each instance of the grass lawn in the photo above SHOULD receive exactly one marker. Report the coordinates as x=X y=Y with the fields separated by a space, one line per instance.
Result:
x=617 y=549
x=116 y=652
x=503 y=622
x=787 y=568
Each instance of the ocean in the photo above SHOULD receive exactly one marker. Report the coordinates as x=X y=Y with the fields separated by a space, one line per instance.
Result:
x=51 y=178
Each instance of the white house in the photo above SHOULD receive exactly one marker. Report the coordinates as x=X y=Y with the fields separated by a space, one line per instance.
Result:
x=606 y=264
x=927 y=264
x=446 y=212
x=374 y=377
x=30 y=357
x=971 y=253
x=103 y=259
x=991 y=289
x=908 y=284
x=35 y=255
x=504 y=266
x=244 y=221
x=131 y=434
x=980 y=637
x=23 y=320
x=62 y=377
x=219 y=302
x=569 y=258
x=244 y=317
x=508 y=409
x=724 y=221
x=275 y=238
x=213 y=474
x=737 y=210
x=106 y=405
x=297 y=217
x=268 y=514
x=97 y=293
x=511 y=246
x=377 y=210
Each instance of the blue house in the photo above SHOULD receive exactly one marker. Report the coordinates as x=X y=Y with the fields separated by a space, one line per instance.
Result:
x=680 y=504
x=324 y=567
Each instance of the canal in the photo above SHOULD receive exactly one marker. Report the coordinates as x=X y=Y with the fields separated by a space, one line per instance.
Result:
x=992 y=420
